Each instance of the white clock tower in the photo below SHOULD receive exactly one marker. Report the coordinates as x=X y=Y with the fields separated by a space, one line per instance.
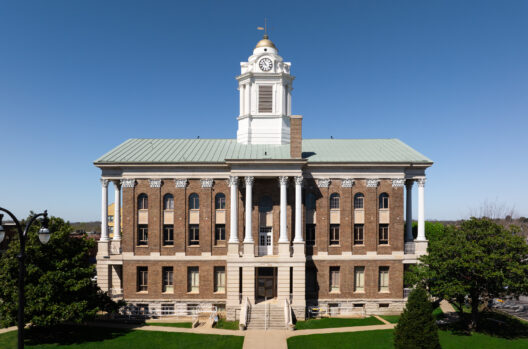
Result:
x=265 y=86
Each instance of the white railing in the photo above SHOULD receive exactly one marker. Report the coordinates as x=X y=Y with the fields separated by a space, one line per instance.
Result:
x=288 y=318
x=325 y=311
x=244 y=314
x=171 y=311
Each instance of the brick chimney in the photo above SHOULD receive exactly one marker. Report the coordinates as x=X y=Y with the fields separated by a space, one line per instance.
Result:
x=296 y=136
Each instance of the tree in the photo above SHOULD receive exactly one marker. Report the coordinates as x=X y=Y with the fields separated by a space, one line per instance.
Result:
x=476 y=262
x=416 y=328
x=58 y=283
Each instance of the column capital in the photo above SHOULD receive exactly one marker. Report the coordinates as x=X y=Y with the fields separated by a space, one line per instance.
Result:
x=299 y=180
x=232 y=181
x=283 y=180
x=323 y=182
x=347 y=183
x=409 y=184
x=104 y=182
x=249 y=180
x=155 y=183
x=421 y=182
x=398 y=182
x=207 y=182
x=372 y=183
x=128 y=183
x=117 y=183
x=180 y=182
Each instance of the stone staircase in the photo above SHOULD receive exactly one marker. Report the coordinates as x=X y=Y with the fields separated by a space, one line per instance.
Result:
x=261 y=318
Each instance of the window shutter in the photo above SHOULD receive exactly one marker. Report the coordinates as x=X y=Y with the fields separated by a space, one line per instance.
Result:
x=265 y=99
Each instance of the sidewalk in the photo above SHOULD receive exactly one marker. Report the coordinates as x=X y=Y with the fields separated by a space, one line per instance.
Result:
x=8 y=329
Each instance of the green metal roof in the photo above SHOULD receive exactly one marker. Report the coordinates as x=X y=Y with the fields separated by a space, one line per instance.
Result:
x=166 y=151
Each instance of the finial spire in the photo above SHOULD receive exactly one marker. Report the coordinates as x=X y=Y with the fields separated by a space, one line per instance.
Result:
x=265 y=28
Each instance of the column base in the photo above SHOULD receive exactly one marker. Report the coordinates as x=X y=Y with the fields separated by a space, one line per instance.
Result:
x=103 y=248
x=232 y=249
x=249 y=249
x=420 y=247
x=284 y=249
x=115 y=247
x=298 y=249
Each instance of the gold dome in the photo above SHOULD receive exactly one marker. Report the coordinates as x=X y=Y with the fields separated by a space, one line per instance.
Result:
x=265 y=42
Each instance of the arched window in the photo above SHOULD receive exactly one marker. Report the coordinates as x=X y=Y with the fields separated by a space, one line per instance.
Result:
x=194 y=201
x=168 y=202
x=220 y=201
x=334 y=201
x=358 y=200
x=266 y=204
x=310 y=201
x=384 y=200
x=142 y=202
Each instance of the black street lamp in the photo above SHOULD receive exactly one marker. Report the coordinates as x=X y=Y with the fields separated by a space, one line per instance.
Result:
x=44 y=236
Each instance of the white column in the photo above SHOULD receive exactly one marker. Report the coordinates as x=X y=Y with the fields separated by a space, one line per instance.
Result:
x=241 y=94
x=233 y=218
x=298 y=209
x=283 y=236
x=248 y=237
x=117 y=212
x=247 y=104
x=104 y=210
x=421 y=210
x=289 y=100
x=408 y=211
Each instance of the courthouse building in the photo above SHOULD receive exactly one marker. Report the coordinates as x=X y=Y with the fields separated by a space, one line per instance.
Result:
x=265 y=216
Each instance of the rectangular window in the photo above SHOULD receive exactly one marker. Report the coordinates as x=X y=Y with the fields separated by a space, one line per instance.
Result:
x=358 y=234
x=194 y=234
x=168 y=235
x=359 y=279
x=167 y=309
x=168 y=281
x=142 y=309
x=142 y=235
x=384 y=279
x=334 y=279
x=310 y=234
x=220 y=233
x=265 y=99
x=193 y=280
x=142 y=279
x=383 y=234
x=334 y=234
x=219 y=279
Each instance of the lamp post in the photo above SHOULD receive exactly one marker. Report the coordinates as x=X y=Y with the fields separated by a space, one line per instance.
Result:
x=44 y=236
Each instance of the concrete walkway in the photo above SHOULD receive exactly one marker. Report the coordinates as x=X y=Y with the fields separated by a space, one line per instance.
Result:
x=446 y=307
x=8 y=329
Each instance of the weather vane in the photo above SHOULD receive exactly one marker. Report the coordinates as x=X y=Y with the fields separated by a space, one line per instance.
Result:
x=265 y=28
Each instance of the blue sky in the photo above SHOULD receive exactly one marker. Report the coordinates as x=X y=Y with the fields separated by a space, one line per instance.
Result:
x=449 y=78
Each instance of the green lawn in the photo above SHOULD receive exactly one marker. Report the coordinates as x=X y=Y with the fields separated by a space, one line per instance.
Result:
x=383 y=339
x=336 y=322
x=227 y=325
x=80 y=337
x=170 y=324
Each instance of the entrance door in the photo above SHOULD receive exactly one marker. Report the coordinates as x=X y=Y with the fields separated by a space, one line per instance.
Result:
x=265 y=282
x=265 y=241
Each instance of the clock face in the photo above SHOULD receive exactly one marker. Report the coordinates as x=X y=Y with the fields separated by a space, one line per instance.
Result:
x=265 y=64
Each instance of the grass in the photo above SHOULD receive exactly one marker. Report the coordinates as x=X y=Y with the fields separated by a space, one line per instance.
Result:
x=393 y=319
x=383 y=339
x=227 y=325
x=81 y=337
x=335 y=322
x=170 y=324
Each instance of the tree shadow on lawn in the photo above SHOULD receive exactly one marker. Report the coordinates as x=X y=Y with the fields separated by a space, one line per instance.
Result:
x=71 y=334
x=491 y=323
